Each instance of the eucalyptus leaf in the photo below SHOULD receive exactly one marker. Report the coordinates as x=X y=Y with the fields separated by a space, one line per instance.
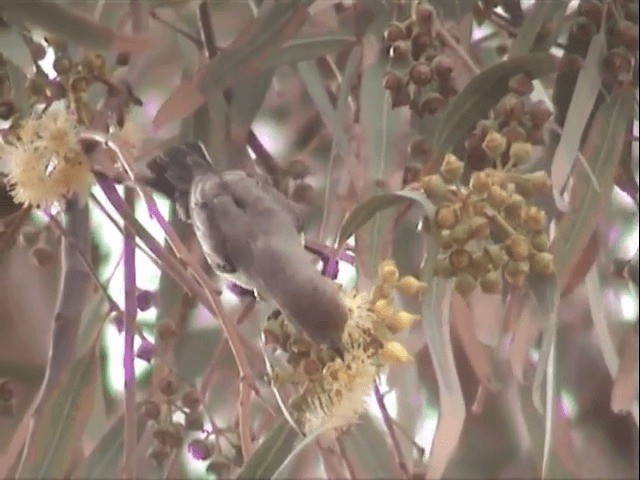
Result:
x=274 y=450
x=61 y=420
x=364 y=212
x=541 y=12
x=306 y=48
x=602 y=151
x=482 y=93
x=104 y=460
x=584 y=98
x=61 y=21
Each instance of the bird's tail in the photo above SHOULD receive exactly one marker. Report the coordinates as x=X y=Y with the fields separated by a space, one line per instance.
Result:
x=173 y=172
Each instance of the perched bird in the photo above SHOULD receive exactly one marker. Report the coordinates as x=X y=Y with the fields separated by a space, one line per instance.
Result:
x=251 y=233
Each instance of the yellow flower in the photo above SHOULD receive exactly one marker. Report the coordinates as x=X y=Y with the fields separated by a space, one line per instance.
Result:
x=46 y=163
x=337 y=395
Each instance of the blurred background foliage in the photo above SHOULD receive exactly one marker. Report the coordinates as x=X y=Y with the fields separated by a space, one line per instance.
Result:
x=345 y=106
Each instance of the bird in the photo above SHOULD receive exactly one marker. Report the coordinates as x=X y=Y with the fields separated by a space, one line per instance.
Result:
x=250 y=233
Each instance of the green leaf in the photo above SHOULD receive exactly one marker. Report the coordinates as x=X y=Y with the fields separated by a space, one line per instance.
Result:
x=367 y=447
x=62 y=22
x=584 y=98
x=244 y=58
x=541 y=12
x=602 y=151
x=104 y=460
x=482 y=93
x=371 y=207
x=274 y=450
x=61 y=420
x=436 y=324
x=307 y=48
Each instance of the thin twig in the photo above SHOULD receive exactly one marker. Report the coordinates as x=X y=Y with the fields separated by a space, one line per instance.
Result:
x=386 y=418
x=68 y=312
x=206 y=30
x=192 y=38
x=345 y=458
x=450 y=42
x=130 y=312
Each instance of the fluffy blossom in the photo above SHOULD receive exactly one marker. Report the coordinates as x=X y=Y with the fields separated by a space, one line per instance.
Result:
x=326 y=391
x=46 y=163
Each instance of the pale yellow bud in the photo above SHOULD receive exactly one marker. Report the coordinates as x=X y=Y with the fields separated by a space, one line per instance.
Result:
x=452 y=168
x=494 y=144
x=388 y=272
x=383 y=309
x=520 y=152
x=409 y=285
x=401 y=321
x=394 y=353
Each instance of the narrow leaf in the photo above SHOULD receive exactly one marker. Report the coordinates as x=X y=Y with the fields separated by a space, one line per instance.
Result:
x=602 y=151
x=274 y=450
x=368 y=209
x=306 y=48
x=59 y=20
x=104 y=460
x=541 y=12
x=603 y=335
x=435 y=314
x=584 y=98
x=366 y=446
x=61 y=420
x=245 y=56
x=479 y=355
x=524 y=336
x=482 y=93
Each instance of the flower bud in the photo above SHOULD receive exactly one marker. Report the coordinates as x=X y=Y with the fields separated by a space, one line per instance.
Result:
x=533 y=218
x=383 y=309
x=497 y=197
x=491 y=282
x=513 y=207
x=464 y=284
x=394 y=353
x=461 y=234
x=409 y=285
x=540 y=241
x=392 y=81
x=444 y=239
x=496 y=255
x=420 y=74
x=394 y=32
x=199 y=449
x=401 y=321
x=479 y=265
x=432 y=103
x=479 y=227
x=191 y=399
x=400 y=51
x=520 y=153
x=446 y=216
x=168 y=386
x=516 y=272
x=517 y=248
x=442 y=66
x=424 y=14
x=459 y=259
x=388 y=272
x=494 y=144
x=380 y=292
x=452 y=168
x=159 y=454
x=542 y=263
x=480 y=182
x=434 y=186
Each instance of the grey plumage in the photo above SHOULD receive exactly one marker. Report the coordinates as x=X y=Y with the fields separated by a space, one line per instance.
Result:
x=250 y=232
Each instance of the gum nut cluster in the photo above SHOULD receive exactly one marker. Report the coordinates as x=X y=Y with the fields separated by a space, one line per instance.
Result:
x=486 y=230
x=516 y=119
x=329 y=392
x=421 y=75
x=46 y=163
